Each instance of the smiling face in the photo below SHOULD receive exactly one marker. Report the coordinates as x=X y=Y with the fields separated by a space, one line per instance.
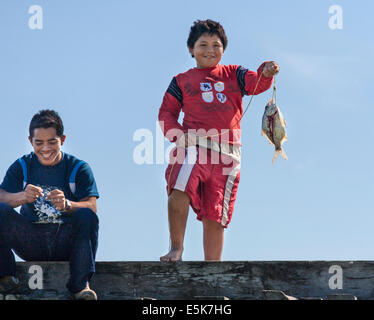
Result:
x=207 y=51
x=47 y=145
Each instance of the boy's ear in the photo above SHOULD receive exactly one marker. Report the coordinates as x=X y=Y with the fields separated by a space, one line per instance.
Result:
x=191 y=52
x=30 y=139
x=63 y=139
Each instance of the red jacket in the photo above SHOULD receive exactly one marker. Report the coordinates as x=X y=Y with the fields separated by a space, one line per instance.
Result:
x=210 y=98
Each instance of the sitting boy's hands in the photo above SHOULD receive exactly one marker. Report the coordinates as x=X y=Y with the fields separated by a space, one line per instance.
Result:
x=58 y=199
x=32 y=193
x=270 y=69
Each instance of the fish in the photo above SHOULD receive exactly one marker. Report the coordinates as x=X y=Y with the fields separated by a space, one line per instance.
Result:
x=274 y=128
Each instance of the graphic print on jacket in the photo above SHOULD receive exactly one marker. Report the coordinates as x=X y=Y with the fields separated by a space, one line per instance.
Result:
x=45 y=210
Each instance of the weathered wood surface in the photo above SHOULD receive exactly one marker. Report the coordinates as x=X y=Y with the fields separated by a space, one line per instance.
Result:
x=195 y=279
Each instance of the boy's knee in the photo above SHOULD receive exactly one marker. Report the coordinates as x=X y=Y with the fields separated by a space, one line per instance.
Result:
x=85 y=216
x=178 y=202
x=174 y=207
x=5 y=207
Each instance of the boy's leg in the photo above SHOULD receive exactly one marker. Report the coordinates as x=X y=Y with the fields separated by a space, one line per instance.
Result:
x=77 y=242
x=29 y=241
x=7 y=260
x=218 y=199
x=213 y=238
x=178 y=205
x=21 y=236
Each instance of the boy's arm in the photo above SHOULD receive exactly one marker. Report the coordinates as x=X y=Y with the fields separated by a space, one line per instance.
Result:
x=169 y=112
x=59 y=201
x=249 y=79
x=29 y=195
x=86 y=192
x=12 y=199
x=89 y=202
x=11 y=190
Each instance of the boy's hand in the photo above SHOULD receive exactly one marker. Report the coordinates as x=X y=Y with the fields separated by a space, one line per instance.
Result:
x=32 y=193
x=270 y=69
x=58 y=199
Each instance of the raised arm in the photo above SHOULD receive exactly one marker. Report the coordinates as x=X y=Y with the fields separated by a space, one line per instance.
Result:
x=263 y=78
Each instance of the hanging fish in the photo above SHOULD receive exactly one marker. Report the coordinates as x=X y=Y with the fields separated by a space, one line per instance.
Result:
x=274 y=128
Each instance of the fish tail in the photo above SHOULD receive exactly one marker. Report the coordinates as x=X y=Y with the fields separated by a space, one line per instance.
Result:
x=279 y=152
x=276 y=153
x=284 y=155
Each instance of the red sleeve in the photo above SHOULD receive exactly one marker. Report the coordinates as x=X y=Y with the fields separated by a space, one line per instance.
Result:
x=168 y=117
x=251 y=79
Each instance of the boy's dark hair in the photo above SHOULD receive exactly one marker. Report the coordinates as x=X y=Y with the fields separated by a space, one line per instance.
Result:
x=46 y=119
x=206 y=26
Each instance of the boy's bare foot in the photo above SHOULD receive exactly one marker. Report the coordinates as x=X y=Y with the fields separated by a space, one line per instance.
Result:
x=173 y=256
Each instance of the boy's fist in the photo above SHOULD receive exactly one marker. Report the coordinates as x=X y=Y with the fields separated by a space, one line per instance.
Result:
x=270 y=69
x=32 y=193
x=58 y=199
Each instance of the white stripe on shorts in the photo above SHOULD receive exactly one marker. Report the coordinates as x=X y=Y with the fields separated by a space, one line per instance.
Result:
x=186 y=168
x=228 y=190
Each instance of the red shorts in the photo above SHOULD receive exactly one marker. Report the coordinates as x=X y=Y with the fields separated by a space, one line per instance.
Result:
x=210 y=180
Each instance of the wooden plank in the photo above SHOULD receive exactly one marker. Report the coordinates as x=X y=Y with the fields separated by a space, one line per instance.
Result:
x=190 y=279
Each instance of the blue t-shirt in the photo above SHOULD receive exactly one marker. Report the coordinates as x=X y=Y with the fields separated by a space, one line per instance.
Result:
x=50 y=178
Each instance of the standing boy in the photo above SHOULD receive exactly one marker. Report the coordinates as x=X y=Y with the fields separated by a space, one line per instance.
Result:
x=58 y=222
x=204 y=171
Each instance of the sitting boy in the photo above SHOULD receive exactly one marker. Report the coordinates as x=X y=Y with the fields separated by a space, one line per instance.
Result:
x=57 y=220
x=205 y=168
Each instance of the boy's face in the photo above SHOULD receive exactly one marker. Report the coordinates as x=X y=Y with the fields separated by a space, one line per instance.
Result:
x=208 y=51
x=47 y=145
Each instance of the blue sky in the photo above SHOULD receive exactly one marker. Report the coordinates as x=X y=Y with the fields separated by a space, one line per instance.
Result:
x=105 y=65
